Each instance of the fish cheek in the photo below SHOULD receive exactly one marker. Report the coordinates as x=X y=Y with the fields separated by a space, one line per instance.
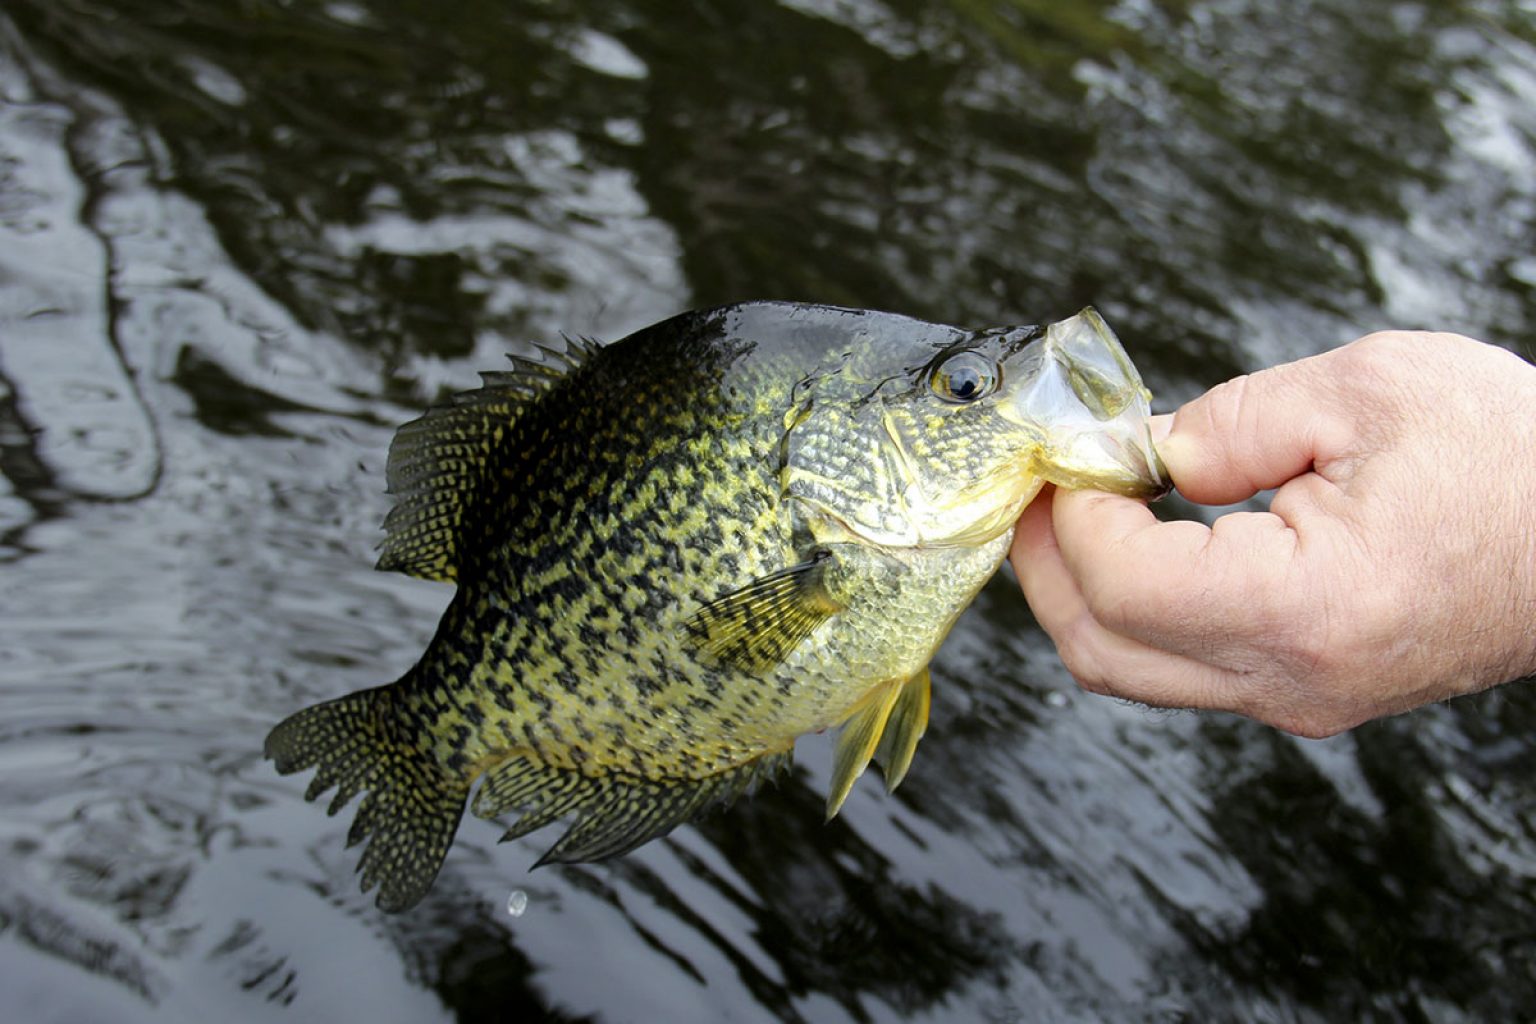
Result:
x=839 y=462
x=950 y=449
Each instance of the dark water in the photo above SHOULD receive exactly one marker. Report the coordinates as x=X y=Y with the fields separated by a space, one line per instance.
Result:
x=239 y=241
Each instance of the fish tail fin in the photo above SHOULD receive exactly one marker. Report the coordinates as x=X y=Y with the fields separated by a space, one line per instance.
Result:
x=363 y=742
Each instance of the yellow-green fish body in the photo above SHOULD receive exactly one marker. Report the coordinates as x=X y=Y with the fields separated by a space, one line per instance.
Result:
x=677 y=553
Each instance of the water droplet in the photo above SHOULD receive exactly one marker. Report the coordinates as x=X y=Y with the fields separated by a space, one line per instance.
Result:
x=1057 y=699
x=517 y=902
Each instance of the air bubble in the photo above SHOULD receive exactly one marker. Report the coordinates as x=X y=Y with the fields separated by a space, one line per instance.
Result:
x=517 y=902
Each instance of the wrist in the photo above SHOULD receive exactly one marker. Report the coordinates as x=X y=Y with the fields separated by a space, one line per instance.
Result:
x=1521 y=466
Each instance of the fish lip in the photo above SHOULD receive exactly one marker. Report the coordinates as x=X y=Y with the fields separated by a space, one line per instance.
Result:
x=1144 y=461
x=1160 y=472
x=1133 y=469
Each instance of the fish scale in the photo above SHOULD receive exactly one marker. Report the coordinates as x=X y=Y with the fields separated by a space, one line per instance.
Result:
x=676 y=554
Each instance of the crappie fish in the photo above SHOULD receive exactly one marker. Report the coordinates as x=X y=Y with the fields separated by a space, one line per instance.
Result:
x=679 y=552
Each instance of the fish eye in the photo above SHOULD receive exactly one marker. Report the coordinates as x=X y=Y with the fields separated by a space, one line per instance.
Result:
x=964 y=377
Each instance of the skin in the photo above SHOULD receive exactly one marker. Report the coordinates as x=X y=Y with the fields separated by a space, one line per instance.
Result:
x=1396 y=565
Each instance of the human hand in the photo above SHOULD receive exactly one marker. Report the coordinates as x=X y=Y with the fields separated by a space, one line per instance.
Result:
x=1396 y=565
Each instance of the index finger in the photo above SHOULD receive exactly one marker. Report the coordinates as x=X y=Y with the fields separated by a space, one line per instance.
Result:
x=1179 y=586
x=1099 y=659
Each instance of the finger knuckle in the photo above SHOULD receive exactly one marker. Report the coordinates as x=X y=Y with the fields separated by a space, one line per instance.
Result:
x=1296 y=707
x=1356 y=626
x=1389 y=349
x=1278 y=627
x=1115 y=604
x=1227 y=409
x=1083 y=669
x=1081 y=660
x=1309 y=652
x=1311 y=725
x=1309 y=628
x=1396 y=343
x=1378 y=343
x=1386 y=356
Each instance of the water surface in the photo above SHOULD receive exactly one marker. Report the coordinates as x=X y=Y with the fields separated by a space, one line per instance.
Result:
x=240 y=242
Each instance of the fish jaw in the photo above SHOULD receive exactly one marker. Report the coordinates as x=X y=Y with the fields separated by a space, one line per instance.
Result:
x=978 y=514
x=1120 y=461
x=1091 y=411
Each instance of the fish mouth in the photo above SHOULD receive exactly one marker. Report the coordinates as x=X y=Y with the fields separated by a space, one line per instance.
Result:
x=1111 y=462
x=1149 y=477
x=1164 y=480
x=1091 y=411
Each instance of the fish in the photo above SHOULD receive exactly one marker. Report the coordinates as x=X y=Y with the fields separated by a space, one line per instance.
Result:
x=677 y=553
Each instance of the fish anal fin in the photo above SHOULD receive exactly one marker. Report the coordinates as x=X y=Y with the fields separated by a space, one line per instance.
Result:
x=357 y=743
x=905 y=726
x=440 y=463
x=758 y=625
x=614 y=813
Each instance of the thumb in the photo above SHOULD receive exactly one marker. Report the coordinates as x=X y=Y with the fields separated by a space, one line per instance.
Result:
x=1255 y=432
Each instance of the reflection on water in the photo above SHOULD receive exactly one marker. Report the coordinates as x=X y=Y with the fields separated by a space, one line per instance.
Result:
x=239 y=242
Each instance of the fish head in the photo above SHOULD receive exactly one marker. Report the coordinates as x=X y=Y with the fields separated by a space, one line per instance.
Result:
x=949 y=449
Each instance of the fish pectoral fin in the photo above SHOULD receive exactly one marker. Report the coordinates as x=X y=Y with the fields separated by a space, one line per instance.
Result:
x=905 y=726
x=857 y=743
x=615 y=812
x=755 y=627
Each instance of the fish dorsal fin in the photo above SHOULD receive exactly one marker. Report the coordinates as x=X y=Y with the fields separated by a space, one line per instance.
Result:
x=614 y=812
x=755 y=627
x=439 y=463
x=887 y=727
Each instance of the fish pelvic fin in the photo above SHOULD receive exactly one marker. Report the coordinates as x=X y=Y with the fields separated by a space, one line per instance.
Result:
x=614 y=813
x=905 y=726
x=886 y=728
x=362 y=743
x=441 y=463
x=756 y=627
